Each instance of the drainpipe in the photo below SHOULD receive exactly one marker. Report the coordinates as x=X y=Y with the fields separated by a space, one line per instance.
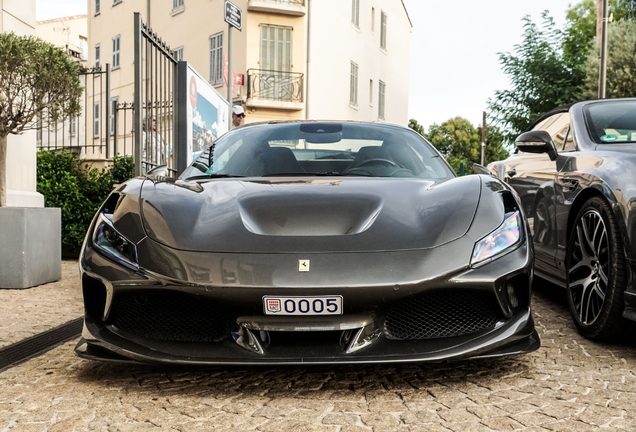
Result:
x=308 y=60
x=148 y=12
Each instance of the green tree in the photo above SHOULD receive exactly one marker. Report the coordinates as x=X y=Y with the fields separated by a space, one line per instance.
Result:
x=621 y=63
x=495 y=149
x=460 y=142
x=580 y=33
x=540 y=76
x=37 y=77
x=413 y=124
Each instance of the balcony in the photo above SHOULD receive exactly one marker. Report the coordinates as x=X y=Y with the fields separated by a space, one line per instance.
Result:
x=275 y=89
x=281 y=7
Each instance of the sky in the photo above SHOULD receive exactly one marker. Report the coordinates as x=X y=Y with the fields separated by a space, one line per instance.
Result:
x=454 y=53
x=454 y=50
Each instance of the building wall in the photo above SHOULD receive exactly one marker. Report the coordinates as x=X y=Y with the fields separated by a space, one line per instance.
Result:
x=19 y=16
x=330 y=63
x=335 y=42
x=64 y=32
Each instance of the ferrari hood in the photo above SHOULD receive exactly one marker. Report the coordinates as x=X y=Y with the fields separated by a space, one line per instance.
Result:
x=300 y=215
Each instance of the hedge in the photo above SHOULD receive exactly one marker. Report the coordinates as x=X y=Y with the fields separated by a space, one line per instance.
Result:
x=78 y=189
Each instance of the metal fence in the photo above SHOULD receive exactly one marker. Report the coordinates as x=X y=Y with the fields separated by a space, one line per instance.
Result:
x=85 y=136
x=144 y=128
x=154 y=107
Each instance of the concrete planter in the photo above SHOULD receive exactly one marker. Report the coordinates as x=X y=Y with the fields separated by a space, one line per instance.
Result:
x=30 y=246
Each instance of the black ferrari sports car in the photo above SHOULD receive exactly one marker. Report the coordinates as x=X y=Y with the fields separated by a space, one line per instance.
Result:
x=575 y=175
x=309 y=242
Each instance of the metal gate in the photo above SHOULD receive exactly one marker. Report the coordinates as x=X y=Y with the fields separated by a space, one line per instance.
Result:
x=155 y=104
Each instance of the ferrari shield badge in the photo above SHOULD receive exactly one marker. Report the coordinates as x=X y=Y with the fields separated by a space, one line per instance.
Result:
x=303 y=265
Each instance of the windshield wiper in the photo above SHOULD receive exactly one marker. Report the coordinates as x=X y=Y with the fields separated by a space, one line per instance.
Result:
x=211 y=176
x=300 y=174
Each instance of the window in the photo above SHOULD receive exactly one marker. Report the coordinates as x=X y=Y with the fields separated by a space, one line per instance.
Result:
x=381 y=100
x=178 y=54
x=113 y=109
x=383 y=30
x=116 y=2
x=96 y=119
x=97 y=7
x=38 y=128
x=276 y=48
x=97 y=55
x=116 y=45
x=83 y=48
x=372 y=20
x=276 y=63
x=177 y=4
x=371 y=92
x=72 y=126
x=216 y=58
x=355 y=12
x=353 y=94
x=349 y=145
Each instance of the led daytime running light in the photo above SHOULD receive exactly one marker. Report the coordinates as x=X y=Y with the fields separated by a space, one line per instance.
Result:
x=499 y=241
x=108 y=241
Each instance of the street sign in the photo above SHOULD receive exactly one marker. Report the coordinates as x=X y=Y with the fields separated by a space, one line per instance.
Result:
x=232 y=15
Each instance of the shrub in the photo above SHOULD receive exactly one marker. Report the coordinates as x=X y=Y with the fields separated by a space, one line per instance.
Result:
x=78 y=190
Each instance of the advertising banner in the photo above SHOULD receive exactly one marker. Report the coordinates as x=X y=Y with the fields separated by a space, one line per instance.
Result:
x=203 y=116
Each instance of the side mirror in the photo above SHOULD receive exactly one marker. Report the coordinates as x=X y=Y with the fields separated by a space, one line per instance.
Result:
x=480 y=169
x=538 y=141
x=159 y=171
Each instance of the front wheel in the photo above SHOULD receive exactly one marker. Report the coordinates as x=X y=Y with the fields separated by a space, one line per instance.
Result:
x=596 y=271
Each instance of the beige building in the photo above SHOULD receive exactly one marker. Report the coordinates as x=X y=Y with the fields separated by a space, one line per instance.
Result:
x=70 y=34
x=295 y=59
x=19 y=16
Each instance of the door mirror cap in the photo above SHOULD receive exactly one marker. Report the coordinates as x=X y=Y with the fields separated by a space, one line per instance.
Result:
x=159 y=171
x=538 y=141
x=480 y=169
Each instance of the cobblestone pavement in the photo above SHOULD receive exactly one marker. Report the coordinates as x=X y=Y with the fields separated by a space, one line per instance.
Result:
x=569 y=384
x=27 y=312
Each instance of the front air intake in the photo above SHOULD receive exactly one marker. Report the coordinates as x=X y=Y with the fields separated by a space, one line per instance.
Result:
x=442 y=314
x=169 y=316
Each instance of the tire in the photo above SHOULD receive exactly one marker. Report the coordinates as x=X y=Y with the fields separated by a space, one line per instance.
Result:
x=596 y=272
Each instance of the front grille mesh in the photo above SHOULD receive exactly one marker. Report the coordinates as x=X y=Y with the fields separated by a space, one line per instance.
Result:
x=441 y=314
x=170 y=316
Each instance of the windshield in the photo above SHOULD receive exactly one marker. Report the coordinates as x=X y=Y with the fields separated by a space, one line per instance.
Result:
x=329 y=149
x=612 y=122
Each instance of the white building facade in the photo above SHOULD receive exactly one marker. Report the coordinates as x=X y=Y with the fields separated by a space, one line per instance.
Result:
x=18 y=16
x=360 y=51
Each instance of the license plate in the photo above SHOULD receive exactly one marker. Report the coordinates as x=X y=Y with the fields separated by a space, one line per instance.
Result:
x=298 y=305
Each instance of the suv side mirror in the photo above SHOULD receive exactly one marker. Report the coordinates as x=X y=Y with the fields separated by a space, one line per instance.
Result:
x=538 y=141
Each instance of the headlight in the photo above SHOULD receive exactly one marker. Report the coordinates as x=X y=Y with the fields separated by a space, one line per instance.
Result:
x=111 y=243
x=499 y=242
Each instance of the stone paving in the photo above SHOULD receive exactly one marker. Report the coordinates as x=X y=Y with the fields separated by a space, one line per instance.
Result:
x=569 y=384
x=27 y=312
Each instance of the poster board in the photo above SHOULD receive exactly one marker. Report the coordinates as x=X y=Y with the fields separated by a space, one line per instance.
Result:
x=203 y=114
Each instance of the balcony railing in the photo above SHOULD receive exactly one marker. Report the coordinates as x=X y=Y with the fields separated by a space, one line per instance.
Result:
x=275 y=85
x=295 y=2
x=283 y=7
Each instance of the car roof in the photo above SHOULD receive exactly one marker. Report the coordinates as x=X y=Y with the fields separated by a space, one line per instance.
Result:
x=566 y=108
